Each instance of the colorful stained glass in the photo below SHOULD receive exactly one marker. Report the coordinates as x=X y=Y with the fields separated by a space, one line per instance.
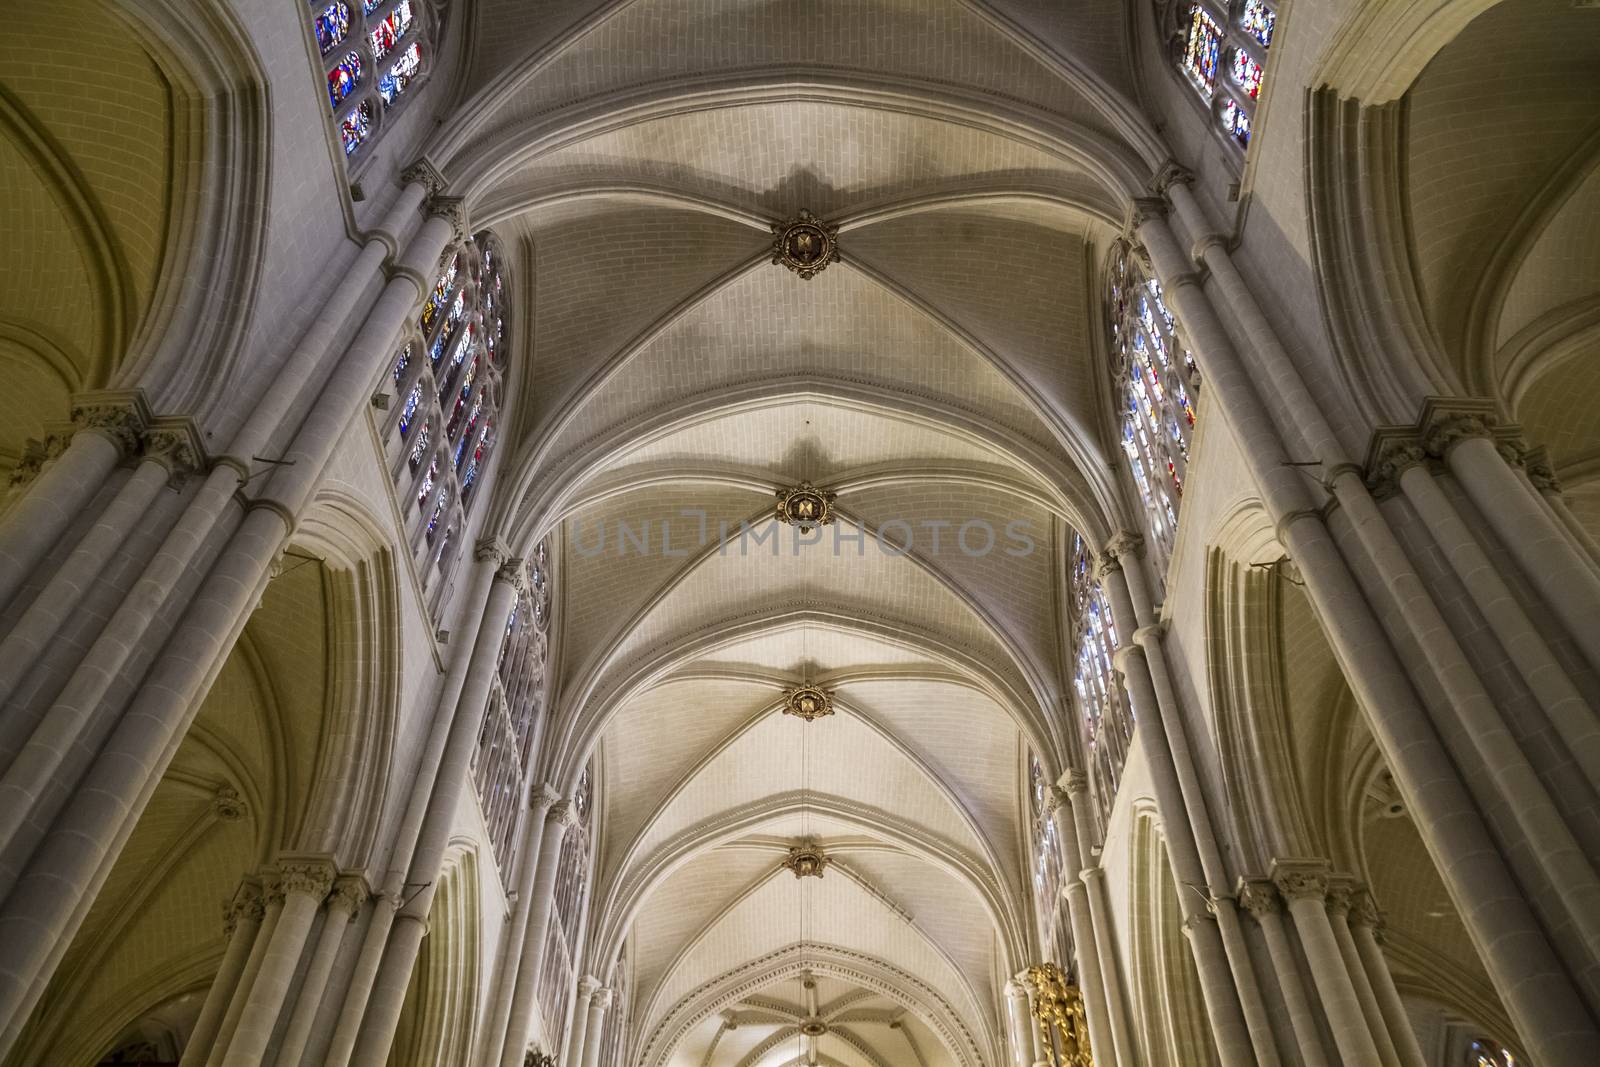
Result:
x=476 y=462
x=332 y=25
x=1204 y=49
x=1259 y=21
x=1236 y=122
x=420 y=448
x=409 y=412
x=392 y=84
x=400 y=364
x=356 y=127
x=369 y=6
x=428 y=481
x=1247 y=72
x=343 y=79
x=438 y=510
x=441 y=292
x=389 y=29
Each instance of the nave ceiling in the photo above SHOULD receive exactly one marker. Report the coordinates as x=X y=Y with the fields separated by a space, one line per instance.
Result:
x=945 y=368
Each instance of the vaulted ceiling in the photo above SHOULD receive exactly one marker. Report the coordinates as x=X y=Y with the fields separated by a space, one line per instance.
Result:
x=978 y=158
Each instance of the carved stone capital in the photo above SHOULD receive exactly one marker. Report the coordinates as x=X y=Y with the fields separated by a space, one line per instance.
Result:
x=1259 y=897
x=1341 y=896
x=491 y=550
x=601 y=1001
x=312 y=877
x=1391 y=459
x=1364 y=910
x=562 y=811
x=1171 y=173
x=1105 y=563
x=350 y=891
x=247 y=903
x=1536 y=461
x=228 y=805
x=1075 y=782
x=120 y=417
x=271 y=888
x=588 y=986
x=1297 y=880
x=543 y=798
x=36 y=453
x=453 y=210
x=1147 y=209
x=1124 y=544
x=513 y=573
x=175 y=444
x=427 y=175
x=1054 y=797
x=1447 y=432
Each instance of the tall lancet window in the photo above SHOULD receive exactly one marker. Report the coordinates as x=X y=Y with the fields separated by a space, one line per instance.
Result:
x=612 y=1051
x=557 y=972
x=500 y=766
x=447 y=379
x=374 y=55
x=1154 y=377
x=1221 y=49
x=1046 y=864
x=1103 y=705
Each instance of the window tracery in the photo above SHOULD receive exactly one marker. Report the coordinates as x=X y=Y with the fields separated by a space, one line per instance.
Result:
x=1047 y=862
x=557 y=973
x=502 y=761
x=1222 y=53
x=1103 y=706
x=374 y=52
x=1153 y=374
x=450 y=370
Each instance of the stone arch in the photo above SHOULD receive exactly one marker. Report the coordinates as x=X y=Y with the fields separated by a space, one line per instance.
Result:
x=1173 y=1027
x=437 y=1023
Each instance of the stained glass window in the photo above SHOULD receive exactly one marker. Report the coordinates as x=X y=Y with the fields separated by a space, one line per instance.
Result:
x=392 y=84
x=1236 y=122
x=1204 y=47
x=1153 y=371
x=1106 y=715
x=343 y=78
x=1259 y=21
x=387 y=33
x=374 y=53
x=332 y=25
x=443 y=434
x=1246 y=73
x=1486 y=1053
x=1047 y=867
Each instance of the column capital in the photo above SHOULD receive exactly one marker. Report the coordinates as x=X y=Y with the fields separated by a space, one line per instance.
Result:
x=121 y=416
x=271 y=887
x=1364 y=909
x=309 y=875
x=543 y=798
x=1393 y=452
x=1258 y=896
x=425 y=174
x=1015 y=990
x=1536 y=461
x=1147 y=209
x=176 y=444
x=1124 y=543
x=247 y=903
x=1297 y=879
x=1074 y=781
x=1171 y=173
x=350 y=891
x=601 y=1001
x=453 y=210
x=1054 y=798
x=491 y=550
x=1106 y=562
x=1341 y=896
x=588 y=986
x=562 y=812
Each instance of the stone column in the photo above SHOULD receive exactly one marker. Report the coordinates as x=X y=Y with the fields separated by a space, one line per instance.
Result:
x=1039 y=1056
x=1518 y=954
x=168 y=459
x=108 y=427
x=405 y=939
x=272 y=893
x=490 y=554
x=42 y=908
x=1237 y=1041
x=588 y=986
x=1305 y=887
x=1019 y=1024
x=1260 y=899
x=1544 y=676
x=540 y=801
x=1103 y=938
x=542 y=901
x=243 y=919
x=344 y=903
x=1364 y=921
x=1525 y=526
x=595 y=1031
x=1084 y=940
x=1339 y=900
x=305 y=882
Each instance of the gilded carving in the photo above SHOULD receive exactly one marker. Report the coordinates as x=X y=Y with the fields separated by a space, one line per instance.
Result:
x=805 y=244
x=805 y=860
x=805 y=506
x=807 y=702
x=1059 y=1011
